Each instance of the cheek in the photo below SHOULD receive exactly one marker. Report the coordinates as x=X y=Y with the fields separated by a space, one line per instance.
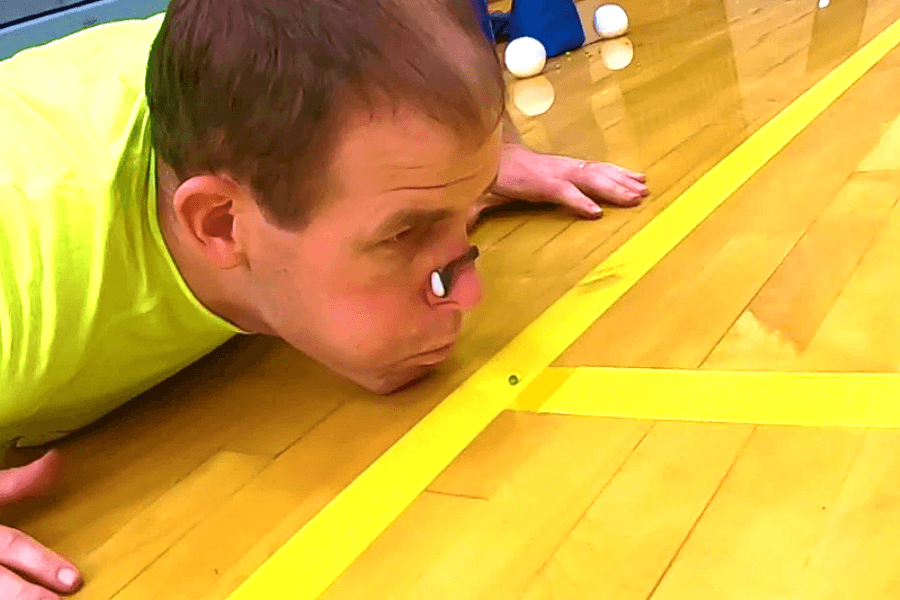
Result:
x=325 y=303
x=371 y=318
x=348 y=311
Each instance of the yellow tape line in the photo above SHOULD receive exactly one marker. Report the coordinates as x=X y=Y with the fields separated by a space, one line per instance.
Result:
x=869 y=400
x=326 y=546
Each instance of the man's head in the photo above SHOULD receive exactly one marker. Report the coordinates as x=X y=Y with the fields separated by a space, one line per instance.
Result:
x=324 y=159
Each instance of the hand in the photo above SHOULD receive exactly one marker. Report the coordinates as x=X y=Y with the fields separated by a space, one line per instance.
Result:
x=578 y=185
x=22 y=556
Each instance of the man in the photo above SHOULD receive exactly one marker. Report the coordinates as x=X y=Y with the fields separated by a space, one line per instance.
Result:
x=280 y=167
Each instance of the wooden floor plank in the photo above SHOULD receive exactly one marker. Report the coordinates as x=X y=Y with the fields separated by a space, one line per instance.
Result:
x=862 y=331
x=498 y=544
x=403 y=555
x=235 y=540
x=857 y=555
x=494 y=456
x=886 y=155
x=624 y=543
x=130 y=550
x=750 y=234
x=764 y=523
x=781 y=321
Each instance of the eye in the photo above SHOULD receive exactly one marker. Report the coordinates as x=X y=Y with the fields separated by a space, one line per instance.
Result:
x=401 y=237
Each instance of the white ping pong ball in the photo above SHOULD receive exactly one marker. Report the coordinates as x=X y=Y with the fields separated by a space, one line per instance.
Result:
x=610 y=21
x=525 y=57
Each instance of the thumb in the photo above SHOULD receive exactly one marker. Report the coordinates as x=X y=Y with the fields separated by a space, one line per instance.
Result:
x=571 y=197
x=32 y=480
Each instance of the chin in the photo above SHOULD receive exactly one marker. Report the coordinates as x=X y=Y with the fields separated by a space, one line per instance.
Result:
x=408 y=372
x=400 y=381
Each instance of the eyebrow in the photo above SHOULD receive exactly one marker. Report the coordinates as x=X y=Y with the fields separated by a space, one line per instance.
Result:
x=412 y=217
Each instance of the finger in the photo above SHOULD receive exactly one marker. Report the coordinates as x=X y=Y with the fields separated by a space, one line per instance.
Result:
x=571 y=197
x=630 y=184
x=605 y=183
x=32 y=480
x=625 y=172
x=627 y=183
x=601 y=187
x=24 y=555
x=628 y=179
x=631 y=174
x=14 y=587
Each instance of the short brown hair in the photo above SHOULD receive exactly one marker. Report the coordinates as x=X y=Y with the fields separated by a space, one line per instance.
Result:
x=260 y=88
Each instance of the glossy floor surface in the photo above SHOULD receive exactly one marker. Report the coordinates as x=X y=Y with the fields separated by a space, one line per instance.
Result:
x=187 y=491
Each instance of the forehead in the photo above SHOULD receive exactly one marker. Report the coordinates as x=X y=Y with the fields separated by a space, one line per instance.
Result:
x=394 y=147
x=406 y=160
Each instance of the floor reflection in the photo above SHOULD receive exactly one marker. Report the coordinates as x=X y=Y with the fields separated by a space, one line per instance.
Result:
x=635 y=99
x=836 y=33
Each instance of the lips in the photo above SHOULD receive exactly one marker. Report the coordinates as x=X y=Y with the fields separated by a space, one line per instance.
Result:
x=436 y=356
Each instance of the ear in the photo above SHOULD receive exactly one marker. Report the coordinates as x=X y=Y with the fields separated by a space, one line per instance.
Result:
x=205 y=208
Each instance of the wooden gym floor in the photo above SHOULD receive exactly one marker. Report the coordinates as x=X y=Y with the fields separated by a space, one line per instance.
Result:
x=187 y=491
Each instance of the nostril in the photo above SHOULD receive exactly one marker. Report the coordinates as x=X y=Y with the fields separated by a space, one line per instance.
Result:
x=442 y=280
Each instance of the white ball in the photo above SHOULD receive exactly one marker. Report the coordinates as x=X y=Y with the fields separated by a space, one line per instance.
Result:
x=525 y=57
x=610 y=21
x=533 y=96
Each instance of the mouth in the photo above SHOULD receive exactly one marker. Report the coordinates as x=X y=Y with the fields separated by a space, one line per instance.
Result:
x=436 y=356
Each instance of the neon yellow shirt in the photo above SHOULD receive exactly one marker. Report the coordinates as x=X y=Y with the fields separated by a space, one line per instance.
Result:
x=93 y=310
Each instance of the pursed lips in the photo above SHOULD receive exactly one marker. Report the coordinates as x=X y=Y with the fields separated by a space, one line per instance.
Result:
x=438 y=355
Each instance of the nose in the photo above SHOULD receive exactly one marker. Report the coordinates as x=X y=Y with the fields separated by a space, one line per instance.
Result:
x=467 y=291
x=457 y=285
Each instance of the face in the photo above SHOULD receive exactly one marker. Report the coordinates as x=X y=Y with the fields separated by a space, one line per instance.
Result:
x=352 y=290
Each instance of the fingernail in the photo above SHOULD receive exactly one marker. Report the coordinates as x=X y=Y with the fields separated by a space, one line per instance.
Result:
x=67 y=576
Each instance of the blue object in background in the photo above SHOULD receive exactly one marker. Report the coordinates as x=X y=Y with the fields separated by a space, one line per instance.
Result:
x=484 y=17
x=28 y=23
x=494 y=25
x=554 y=23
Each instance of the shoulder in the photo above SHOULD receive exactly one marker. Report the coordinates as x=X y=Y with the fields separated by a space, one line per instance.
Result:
x=81 y=64
x=68 y=103
x=113 y=46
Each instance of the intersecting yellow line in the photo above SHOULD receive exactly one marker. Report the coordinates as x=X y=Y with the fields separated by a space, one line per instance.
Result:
x=870 y=400
x=326 y=546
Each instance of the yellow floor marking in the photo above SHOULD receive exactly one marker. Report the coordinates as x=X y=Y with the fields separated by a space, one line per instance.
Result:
x=323 y=549
x=869 y=400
